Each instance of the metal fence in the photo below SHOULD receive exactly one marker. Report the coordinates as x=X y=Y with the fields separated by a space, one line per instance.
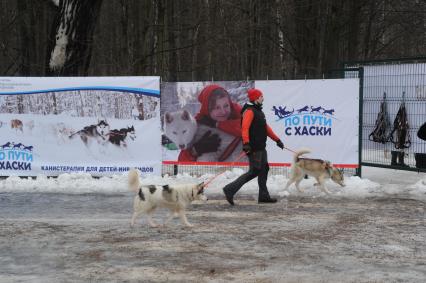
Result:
x=393 y=82
x=199 y=170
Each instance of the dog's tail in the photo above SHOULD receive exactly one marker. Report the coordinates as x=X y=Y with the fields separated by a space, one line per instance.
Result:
x=133 y=180
x=299 y=153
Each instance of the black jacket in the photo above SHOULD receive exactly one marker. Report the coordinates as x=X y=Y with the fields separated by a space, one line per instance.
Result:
x=257 y=130
x=422 y=132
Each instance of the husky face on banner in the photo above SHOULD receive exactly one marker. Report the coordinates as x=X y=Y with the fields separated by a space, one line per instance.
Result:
x=202 y=121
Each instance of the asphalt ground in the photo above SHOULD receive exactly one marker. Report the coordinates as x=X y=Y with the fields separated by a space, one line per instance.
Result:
x=49 y=237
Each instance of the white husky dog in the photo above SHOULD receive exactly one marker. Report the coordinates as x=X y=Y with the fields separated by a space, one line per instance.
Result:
x=318 y=168
x=176 y=198
x=181 y=128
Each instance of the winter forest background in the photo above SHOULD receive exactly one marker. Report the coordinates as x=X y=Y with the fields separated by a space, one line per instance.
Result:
x=118 y=105
x=203 y=40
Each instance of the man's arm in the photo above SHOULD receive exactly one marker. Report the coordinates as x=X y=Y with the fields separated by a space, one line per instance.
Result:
x=271 y=133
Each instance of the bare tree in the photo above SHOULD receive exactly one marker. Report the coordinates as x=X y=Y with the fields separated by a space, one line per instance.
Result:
x=70 y=51
x=207 y=39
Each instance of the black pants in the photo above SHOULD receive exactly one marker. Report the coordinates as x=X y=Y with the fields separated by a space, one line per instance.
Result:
x=259 y=167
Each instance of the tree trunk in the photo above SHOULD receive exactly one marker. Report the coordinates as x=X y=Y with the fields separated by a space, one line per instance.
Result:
x=74 y=27
x=367 y=34
x=173 y=58
x=354 y=27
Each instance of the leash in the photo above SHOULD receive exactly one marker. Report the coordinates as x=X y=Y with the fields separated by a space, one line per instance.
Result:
x=290 y=149
x=242 y=154
x=237 y=159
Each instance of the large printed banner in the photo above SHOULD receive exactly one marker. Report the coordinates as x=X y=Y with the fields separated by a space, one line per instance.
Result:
x=321 y=115
x=97 y=125
x=201 y=121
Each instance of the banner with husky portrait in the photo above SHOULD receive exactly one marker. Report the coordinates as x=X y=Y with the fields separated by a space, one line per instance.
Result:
x=321 y=115
x=96 y=125
x=201 y=122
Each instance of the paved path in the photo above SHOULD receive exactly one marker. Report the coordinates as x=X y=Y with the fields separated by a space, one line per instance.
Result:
x=82 y=238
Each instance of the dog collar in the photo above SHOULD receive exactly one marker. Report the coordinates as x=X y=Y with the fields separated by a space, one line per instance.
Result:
x=328 y=167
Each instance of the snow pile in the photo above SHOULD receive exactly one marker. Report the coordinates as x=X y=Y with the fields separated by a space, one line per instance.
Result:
x=387 y=184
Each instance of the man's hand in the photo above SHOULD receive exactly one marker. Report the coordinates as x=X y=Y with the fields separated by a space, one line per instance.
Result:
x=280 y=144
x=247 y=148
x=209 y=122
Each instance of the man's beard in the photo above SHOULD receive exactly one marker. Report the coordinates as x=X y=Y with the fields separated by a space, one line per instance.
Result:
x=259 y=104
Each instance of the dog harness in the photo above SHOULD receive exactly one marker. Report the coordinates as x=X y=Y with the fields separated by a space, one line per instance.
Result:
x=400 y=135
x=380 y=133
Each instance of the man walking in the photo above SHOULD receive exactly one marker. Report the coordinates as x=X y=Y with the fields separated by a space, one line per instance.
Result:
x=255 y=131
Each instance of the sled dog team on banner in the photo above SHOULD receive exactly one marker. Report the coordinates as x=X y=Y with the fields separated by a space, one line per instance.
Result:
x=100 y=132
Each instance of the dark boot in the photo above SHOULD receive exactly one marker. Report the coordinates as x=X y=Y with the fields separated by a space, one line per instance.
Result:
x=228 y=195
x=232 y=188
x=268 y=200
x=394 y=156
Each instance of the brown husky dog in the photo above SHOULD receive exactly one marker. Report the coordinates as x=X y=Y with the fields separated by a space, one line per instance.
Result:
x=17 y=125
x=317 y=168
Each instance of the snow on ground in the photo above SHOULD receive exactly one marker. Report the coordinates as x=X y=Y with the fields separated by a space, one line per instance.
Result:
x=76 y=229
x=376 y=182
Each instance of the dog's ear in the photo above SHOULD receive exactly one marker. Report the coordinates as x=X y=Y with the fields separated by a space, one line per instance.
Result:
x=185 y=115
x=200 y=188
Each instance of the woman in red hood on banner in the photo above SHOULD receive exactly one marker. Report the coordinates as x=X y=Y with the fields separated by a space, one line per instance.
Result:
x=217 y=111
